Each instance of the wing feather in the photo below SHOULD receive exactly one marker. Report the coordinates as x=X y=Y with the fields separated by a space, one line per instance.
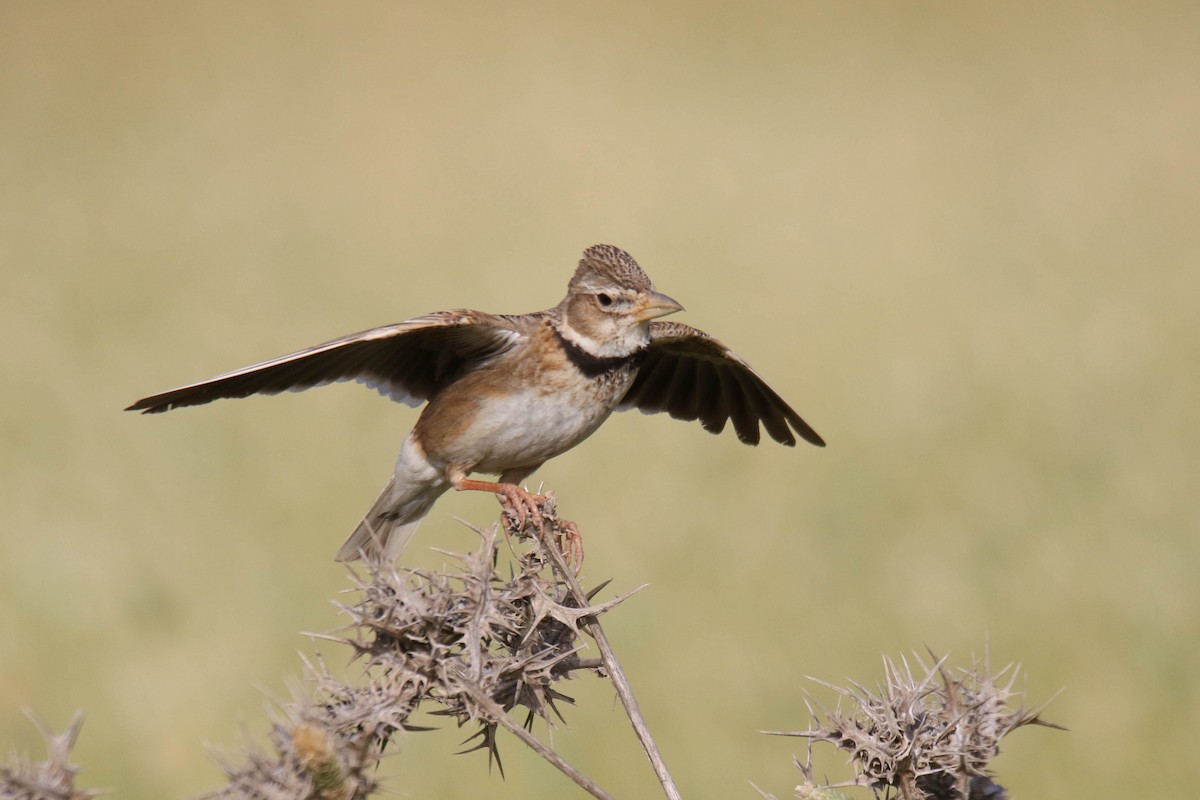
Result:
x=683 y=386
x=711 y=409
x=408 y=362
x=692 y=376
x=653 y=389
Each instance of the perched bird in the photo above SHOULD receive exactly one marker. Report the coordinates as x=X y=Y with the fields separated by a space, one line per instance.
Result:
x=505 y=393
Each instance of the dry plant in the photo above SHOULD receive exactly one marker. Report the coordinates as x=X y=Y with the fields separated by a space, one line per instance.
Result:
x=476 y=644
x=52 y=779
x=472 y=642
x=928 y=735
x=483 y=647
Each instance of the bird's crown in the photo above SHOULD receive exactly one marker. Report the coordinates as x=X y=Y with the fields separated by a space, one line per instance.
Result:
x=604 y=265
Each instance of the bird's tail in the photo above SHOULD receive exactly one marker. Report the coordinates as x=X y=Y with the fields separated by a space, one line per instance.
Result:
x=391 y=522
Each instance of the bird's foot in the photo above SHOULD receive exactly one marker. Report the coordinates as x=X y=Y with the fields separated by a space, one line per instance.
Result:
x=525 y=506
x=525 y=509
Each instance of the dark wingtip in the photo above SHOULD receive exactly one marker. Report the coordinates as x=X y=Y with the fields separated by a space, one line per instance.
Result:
x=750 y=436
x=805 y=430
x=811 y=436
x=146 y=407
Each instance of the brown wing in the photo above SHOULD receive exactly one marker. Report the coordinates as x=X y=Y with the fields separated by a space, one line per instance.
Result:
x=691 y=375
x=407 y=362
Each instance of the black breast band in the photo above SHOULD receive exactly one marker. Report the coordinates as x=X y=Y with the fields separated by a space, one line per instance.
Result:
x=595 y=366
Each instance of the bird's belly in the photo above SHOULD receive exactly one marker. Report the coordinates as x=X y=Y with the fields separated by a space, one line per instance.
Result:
x=529 y=427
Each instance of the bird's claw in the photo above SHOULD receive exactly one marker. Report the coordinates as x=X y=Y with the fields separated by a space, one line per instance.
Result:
x=570 y=544
x=526 y=509
x=525 y=506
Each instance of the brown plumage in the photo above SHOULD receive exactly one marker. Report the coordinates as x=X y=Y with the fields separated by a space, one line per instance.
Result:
x=505 y=393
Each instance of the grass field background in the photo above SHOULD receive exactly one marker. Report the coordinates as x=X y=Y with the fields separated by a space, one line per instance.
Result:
x=963 y=239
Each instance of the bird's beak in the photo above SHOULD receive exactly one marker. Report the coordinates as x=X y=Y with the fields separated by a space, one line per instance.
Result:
x=652 y=305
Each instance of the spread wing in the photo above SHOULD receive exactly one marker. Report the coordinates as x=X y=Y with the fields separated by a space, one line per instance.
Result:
x=408 y=362
x=691 y=375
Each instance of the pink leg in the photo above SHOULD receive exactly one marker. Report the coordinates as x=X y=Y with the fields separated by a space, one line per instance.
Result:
x=525 y=505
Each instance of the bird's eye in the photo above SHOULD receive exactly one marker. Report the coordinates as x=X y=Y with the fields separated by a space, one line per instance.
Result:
x=604 y=300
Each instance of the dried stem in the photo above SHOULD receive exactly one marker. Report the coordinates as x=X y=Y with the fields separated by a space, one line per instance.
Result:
x=617 y=675
x=494 y=711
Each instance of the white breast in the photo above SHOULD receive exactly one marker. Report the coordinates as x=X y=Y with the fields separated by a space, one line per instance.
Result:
x=530 y=427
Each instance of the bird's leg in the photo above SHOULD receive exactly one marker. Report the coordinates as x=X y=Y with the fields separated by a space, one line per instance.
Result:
x=533 y=509
x=526 y=505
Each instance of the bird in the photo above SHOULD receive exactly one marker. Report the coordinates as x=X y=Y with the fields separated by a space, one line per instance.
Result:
x=504 y=393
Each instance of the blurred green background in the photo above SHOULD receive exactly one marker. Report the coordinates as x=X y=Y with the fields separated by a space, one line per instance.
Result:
x=962 y=238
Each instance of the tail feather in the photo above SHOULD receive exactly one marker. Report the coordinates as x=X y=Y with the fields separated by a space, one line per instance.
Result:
x=387 y=528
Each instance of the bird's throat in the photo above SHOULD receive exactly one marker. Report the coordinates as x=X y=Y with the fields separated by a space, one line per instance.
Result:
x=593 y=365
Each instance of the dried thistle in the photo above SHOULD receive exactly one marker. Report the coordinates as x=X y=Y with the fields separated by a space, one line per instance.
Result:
x=312 y=759
x=474 y=643
x=931 y=736
x=457 y=638
x=52 y=779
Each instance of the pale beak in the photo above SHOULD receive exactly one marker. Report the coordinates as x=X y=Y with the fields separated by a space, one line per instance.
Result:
x=652 y=305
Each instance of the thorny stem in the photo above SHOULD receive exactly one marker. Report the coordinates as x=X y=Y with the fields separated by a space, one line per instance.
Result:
x=611 y=665
x=497 y=713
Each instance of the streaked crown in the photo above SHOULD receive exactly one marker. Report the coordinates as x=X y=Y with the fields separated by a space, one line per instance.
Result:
x=603 y=266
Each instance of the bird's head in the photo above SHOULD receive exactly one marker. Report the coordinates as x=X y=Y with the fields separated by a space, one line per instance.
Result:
x=610 y=302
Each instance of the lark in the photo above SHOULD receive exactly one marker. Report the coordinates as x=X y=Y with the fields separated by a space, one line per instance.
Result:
x=503 y=393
